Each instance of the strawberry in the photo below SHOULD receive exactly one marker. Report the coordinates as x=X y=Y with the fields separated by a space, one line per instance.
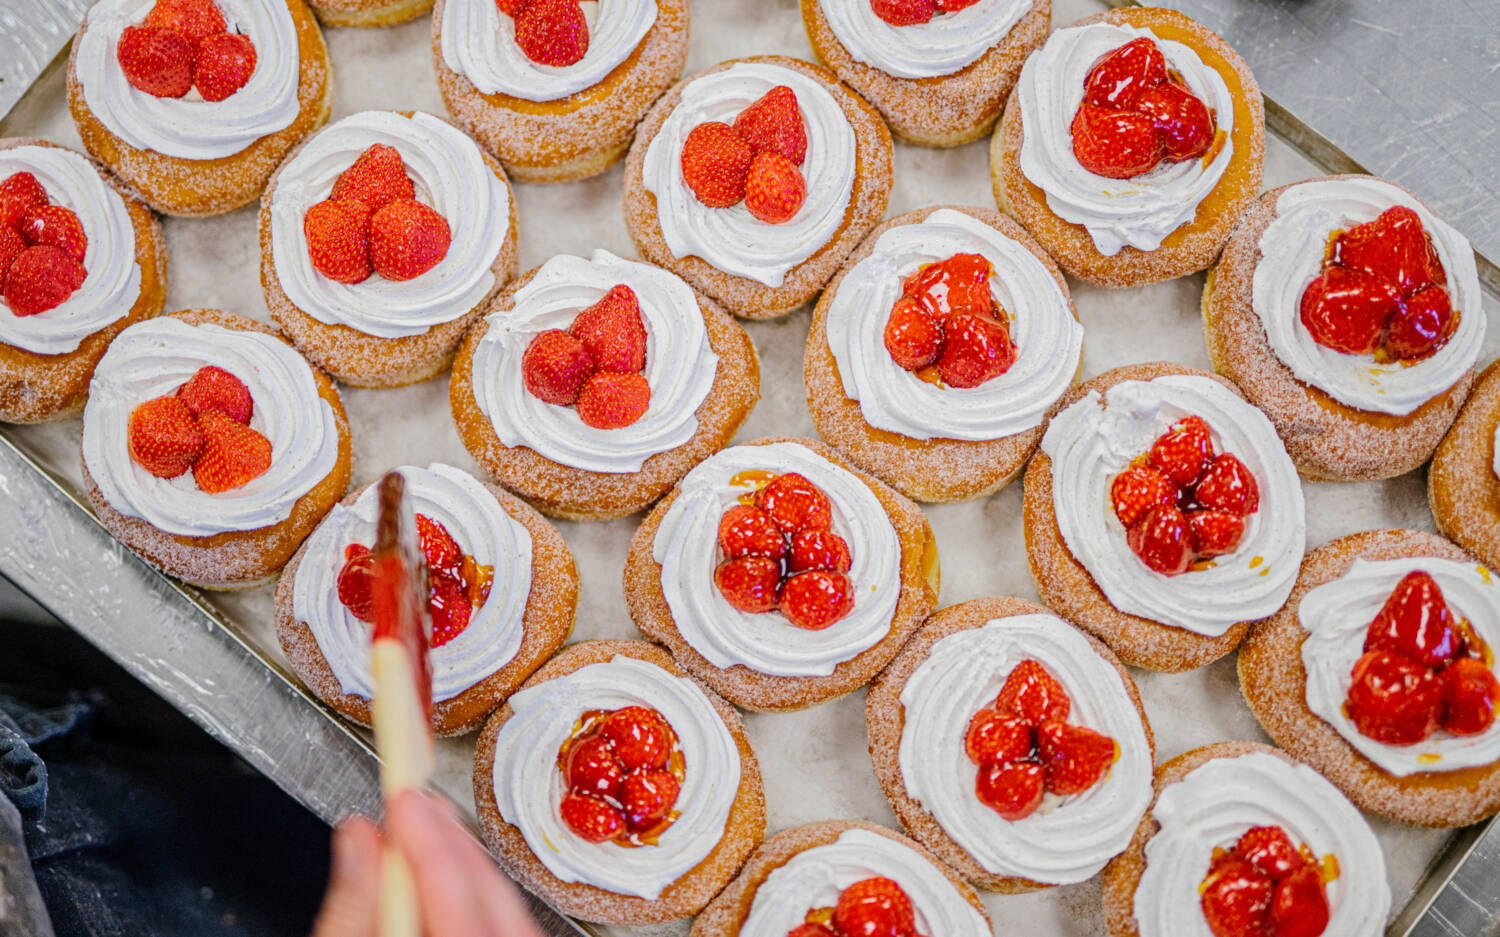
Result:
x=913 y=338
x=552 y=32
x=1014 y=790
x=1236 y=899
x=745 y=530
x=442 y=552
x=1424 y=323
x=163 y=437
x=213 y=388
x=1415 y=622
x=11 y=245
x=774 y=124
x=1184 y=121
x=233 y=454
x=155 y=60
x=640 y=737
x=194 y=20
x=816 y=599
x=612 y=330
x=610 y=400
x=819 y=549
x=336 y=241
x=995 y=736
x=555 y=366
x=1299 y=907
x=1075 y=757
x=225 y=64
x=648 y=796
x=1183 y=451
x=449 y=606
x=1469 y=695
x=960 y=283
x=1137 y=490
x=811 y=929
x=774 y=188
x=1228 y=485
x=55 y=226
x=1270 y=851
x=356 y=583
x=1392 y=249
x=1033 y=694
x=715 y=162
x=590 y=817
x=1116 y=144
x=975 y=349
x=19 y=194
x=874 y=907
x=590 y=767
x=904 y=12
x=511 y=8
x=1162 y=541
x=751 y=583
x=1393 y=699
x=1120 y=78
x=795 y=503
x=1346 y=309
x=378 y=176
x=41 y=278
x=1214 y=533
x=407 y=239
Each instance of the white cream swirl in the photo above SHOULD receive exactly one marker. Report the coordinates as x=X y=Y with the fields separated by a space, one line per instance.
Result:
x=940 y=46
x=1140 y=212
x=1068 y=839
x=1291 y=256
x=482 y=529
x=732 y=239
x=814 y=878
x=1217 y=802
x=190 y=127
x=152 y=359
x=686 y=546
x=529 y=787
x=680 y=364
x=1336 y=617
x=113 y=281
x=1090 y=444
x=479 y=42
x=449 y=174
x=1048 y=337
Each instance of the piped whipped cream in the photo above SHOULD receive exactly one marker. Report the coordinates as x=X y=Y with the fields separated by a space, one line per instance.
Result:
x=1336 y=617
x=1142 y=211
x=1048 y=337
x=482 y=529
x=941 y=46
x=1291 y=256
x=1090 y=444
x=113 y=281
x=814 y=878
x=1068 y=839
x=190 y=127
x=448 y=173
x=732 y=239
x=686 y=546
x=1221 y=799
x=680 y=364
x=529 y=786
x=152 y=359
x=479 y=42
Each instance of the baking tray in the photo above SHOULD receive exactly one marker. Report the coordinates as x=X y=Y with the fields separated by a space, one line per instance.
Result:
x=215 y=656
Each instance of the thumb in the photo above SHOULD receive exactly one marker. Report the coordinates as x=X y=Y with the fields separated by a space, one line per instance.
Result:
x=351 y=903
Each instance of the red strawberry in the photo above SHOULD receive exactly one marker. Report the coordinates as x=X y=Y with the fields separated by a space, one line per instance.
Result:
x=774 y=124
x=552 y=32
x=1228 y=485
x=1393 y=699
x=591 y=767
x=1137 y=490
x=819 y=549
x=19 y=194
x=11 y=245
x=1422 y=326
x=164 y=438
x=774 y=188
x=356 y=583
x=225 y=64
x=511 y=8
x=155 y=60
x=442 y=552
x=590 y=817
x=1236 y=899
x=555 y=366
x=1270 y=850
x=213 y=388
x=610 y=400
x=1075 y=757
x=194 y=20
x=1415 y=622
x=1215 y=533
x=960 y=283
x=1185 y=122
x=1300 y=906
x=612 y=330
x=1013 y=790
x=55 y=226
x=913 y=338
x=816 y=599
x=648 y=796
x=1033 y=694
x=449 y=606
x=336 y=241
x=975 y=349
x=745 y=530
x=904 y=12
x=1184 y=450
x=233 y=454
x=378 y=176
x=1469 y=695
x=715 y=162
x=751 y=584
x=1162 y=540
x=41 y=278
x=640 y=736
x=1346 y=309
x=407 y=239
x=795 y=503
x=1121 y=77
x=995 y=736
x=1392 y=249
x=1116 y=144
x=874 y=907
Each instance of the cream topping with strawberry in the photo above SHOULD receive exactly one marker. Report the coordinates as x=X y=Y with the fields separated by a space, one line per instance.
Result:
x=152 y=359
x=686 y=547
x=529 y=786
x=941 y=46
x=449 y=175
x=1091 y=443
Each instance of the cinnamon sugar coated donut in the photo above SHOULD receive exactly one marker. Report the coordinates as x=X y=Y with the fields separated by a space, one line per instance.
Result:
x=1463 y=487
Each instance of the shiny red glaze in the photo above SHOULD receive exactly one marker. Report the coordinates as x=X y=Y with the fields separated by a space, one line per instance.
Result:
x=648 y=796
x=745 y=530
x=1423 y=326
x=1299 y=907
x=795 y=503
x=1237 y=900
x=590 y=817
x=819 y=549
x=1116 y=144
x=1393 y=699
x=1186 y=124
x=976 y=349
x=960 y=283
x=356 y=586
x=1228 y=485
x=1184 y=451
x=1346 y=310
x=816 y=599
x=1120 y=78
x=1470 y=691
x=640 y=737
x=913 y=338
x=1392 y=248
x=1137 y=490
x=1012 y=790
x=1162 y=541
x=1074 y=757
x=1270 y=850
x=751 y=584
x=995 y=736
x=1415 y=622
x=591 y=768
x=1032 y=693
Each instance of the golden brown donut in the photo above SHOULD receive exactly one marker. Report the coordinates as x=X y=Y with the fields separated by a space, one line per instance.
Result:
x=1461 y=482
x=368 y=12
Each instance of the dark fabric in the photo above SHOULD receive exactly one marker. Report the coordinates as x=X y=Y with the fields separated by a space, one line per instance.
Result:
x=23 y=774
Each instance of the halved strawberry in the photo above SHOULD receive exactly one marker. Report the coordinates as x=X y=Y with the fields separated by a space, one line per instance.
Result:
x=995 y=736
x=774 y=188
x=1185 y=122
x=1415 y=622
x=904 y=12
x=1393 y=699
x=337 y=243
x=818 y=549
x=376 y=177
x=439 y=549
x=913 y=338
x=1421 y=327
x=960 y=283
x=1300 y=906
x=612 y=330
x=552 y=32
x=592 y=768
x=233 y=454
x=816 y=599
x=1392 y=249
x=1346 y=309
x=407 y=239
x=874 y=907
x=1470 y=692
x=194 y=20
x=1137 y=490
x=745 y=530
x=1270 y=850
x=156 y=60
x=1215 y=533
x=19 y=194
x=356 y=583
x=41 y=278
x=715 y=162
x=554 y=367
x=795 y=503
x=1116 y=144
x=976 y=349
x=1120 y=78
x=611 y=400
x=590 y=817
x=163 y=437
x=640 y=737
x=213 y=388
x=648 y=796
x=1162 y=541
x=1012 y=789
x=56 y=226
x=225 y=64
x=11 y=245
x=1236 y=899
x=1033 y=694
x=1075 y=757
x=751 y=583
x=1228 y=485
x=774 y=124
x=1184 y=451
x=448 y=605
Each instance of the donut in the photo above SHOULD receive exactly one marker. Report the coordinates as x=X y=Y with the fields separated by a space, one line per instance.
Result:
x=189 y=156
x=753 y=268
x=1166 y=616
x=1344 y=416
x=548 y=123
x=802 y=644
x=47 y=358
x=900 y=421
x=367 y=13
x=1164 y=224
x=1461 y=482
x=651 y=877
x=920 y=710
x=390 y=328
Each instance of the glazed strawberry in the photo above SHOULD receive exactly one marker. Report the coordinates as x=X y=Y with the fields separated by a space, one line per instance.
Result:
x=1415 y=622
x=745 y=530
x=1393 y=699
x=751 y=584
x=55 y=226
x=1270 y=851
x=1228 y=485
x=1421 y=327
x=648 y=797
x=591 y=768
x=407 y=239
x=819 y=549
x=11 y=245
x=164 y=438
x=1184 y=451
x=439 y=549
x=774 y=188
x=19 y=194
x=378 y=176
x=795 y=503
x=1033 y=694
x=194 y=20
x=816 y=599
x=1214 y=533
x=213 y=388
x=1121 y=77
x=356 y=583
x=960 y=283
x=337 y=243
x=995 y=736
x=590 y=817
x=155 y=60
x=233 y=454
x=555 y=366
x=1470 y=692
x=913 y=338
x=1162 y=540
x=1236 y=899
x=41 y=278
x=1392 y=248
x=1012 y=790
x=1299 y=907
x=610 y=400
x=1115 y=144
x=552 y=32
x=1184 y=121
x=1346 y=309
x=225 y=64
x=975 y=349
x=612 y=330
x=449 y=607
x=715 y=162
x=640 y=737
x=904 y=12
x=774 y=124
x=1137 y=490
x=1074 y=757
x=874 y=907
